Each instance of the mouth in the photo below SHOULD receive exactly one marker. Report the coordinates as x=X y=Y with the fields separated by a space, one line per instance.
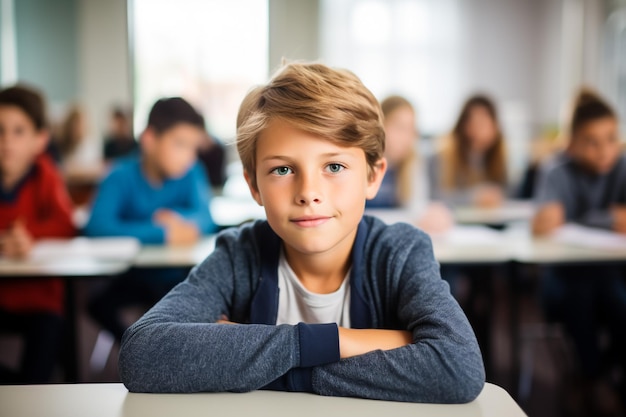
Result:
x=310 y=221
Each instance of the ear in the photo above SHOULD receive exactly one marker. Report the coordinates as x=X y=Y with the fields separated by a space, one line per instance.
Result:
x=148 y=139
x=42 y=140
x=571 y=147
x=253 y=189
x=376 y=178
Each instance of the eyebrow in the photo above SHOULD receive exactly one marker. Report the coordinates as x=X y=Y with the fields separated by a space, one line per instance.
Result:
x=324 y=155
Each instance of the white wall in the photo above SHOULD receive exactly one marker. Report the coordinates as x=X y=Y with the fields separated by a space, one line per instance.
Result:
x=104 y=69
x=517 y=49
x=293 y=31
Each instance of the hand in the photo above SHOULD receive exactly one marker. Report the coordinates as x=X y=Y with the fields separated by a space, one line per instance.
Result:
x=548 y=218
x=436 y=219
x=224 y=320
x=619 y=218
x=353 y=342
x=166 y=218
x=180 y=233
x=16 y=242
x=488 y=196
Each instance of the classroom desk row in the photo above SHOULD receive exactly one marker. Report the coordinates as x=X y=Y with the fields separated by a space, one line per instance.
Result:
x=113 y=400
x=83 y=257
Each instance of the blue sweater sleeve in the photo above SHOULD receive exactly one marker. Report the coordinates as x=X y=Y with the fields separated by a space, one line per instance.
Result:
x=199 y=197
x=215 y=357
x=106 y=214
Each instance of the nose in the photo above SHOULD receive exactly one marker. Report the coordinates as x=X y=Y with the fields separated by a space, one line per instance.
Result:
x=309 y=191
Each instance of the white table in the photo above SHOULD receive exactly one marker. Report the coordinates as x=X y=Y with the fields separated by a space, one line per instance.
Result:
x=71 y=259
x=232 y=211
x=525 y=248
x=155 y=256
x=77 y=257
x=512 y=210
x=113 y=400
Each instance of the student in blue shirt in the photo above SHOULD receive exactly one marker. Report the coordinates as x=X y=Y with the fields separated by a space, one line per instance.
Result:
x=318 y=298
x=161 y=197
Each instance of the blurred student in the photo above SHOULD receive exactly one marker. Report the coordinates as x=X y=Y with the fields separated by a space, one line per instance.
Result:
x=405 y=185
x=33 y=204
x=470 y=168
x=588 y=187
x=212 y=155
x=161 y=197
x=70 y=137
x=119 y=140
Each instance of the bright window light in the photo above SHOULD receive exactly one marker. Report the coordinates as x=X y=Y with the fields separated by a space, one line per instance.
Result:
x=210 y=52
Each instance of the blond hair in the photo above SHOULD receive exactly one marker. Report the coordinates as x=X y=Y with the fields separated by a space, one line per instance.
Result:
x=330 y=103
x=405 y=167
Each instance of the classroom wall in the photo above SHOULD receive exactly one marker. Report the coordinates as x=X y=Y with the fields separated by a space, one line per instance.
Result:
x=46 y=42
x=77 y=49
x=103 y=62
x=293 y=30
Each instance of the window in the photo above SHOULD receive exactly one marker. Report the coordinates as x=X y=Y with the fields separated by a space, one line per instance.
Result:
x=407 y=47
x=210 y=52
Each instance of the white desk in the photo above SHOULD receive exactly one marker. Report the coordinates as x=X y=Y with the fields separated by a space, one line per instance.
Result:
x=78 y=257
x=154 y=256
x=525 y=248
x=470 y=245
x=512 y=210
x=72 y=259
x=113 y=400
x=232 y=211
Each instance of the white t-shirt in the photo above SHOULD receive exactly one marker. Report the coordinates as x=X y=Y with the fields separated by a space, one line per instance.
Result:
x=296 y=304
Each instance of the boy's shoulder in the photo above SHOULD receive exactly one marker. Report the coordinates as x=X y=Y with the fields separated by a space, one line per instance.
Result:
x=400 y=234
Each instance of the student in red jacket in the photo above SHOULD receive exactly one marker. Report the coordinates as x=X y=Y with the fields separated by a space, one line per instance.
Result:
x=33 y=204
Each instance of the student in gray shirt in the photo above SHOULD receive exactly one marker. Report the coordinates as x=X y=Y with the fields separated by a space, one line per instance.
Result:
x=588 y=186
x=311 y=143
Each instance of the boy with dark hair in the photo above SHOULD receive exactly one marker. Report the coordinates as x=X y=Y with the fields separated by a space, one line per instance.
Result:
x=33 y=204
x=588 y=186
x=318 y=298
x=161 y=197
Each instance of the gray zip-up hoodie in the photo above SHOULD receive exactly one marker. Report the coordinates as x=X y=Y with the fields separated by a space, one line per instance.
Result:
x=395 y=284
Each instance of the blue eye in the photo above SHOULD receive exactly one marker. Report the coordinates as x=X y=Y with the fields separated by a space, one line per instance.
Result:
x=334 y=168
x=282 y=171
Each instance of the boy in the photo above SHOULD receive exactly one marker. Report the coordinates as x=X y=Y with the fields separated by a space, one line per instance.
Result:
x=587 y=186
x=161 y=197
x=317 y=298
x=33 y=204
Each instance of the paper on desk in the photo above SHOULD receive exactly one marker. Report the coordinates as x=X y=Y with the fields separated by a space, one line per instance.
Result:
x=577 y=235
x=114 y=248
x=470 y=236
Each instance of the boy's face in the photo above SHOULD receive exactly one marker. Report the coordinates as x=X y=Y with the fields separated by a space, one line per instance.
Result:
x=173 y=151
x=595 y=145
x=20 y=141
x=313 y=191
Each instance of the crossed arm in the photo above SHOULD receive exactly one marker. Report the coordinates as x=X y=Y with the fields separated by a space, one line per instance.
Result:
x=179 y=346
x=355 y=342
